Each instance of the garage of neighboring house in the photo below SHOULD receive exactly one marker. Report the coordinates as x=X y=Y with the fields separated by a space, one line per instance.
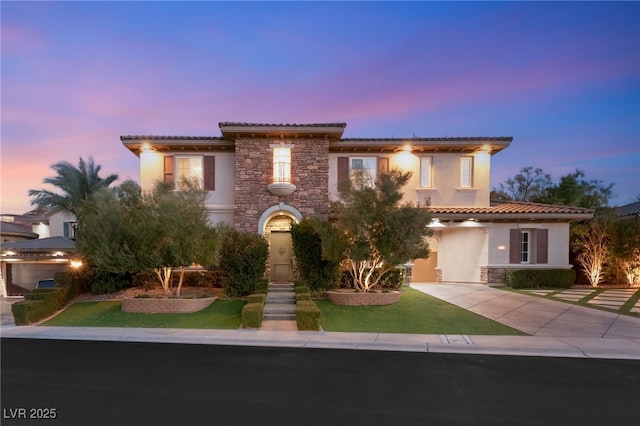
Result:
x=24 y=263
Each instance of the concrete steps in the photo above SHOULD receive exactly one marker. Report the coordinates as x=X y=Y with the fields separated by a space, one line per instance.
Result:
x=280 y=303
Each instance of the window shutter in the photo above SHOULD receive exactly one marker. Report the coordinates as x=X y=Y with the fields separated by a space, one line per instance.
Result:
x=66 y=229
x=168 y=168
x=542 y=245
x=209 y=172
x=383 y=165
x=514 y=245
x=343 y=171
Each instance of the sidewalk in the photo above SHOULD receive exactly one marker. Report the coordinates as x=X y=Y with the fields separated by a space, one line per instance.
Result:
x=557 y=330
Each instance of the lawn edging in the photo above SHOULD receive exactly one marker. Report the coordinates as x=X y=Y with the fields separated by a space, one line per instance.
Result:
x=353 y=298
x=150 y=305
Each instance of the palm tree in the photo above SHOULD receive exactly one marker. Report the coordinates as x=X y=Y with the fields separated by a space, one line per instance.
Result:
x=75 y=184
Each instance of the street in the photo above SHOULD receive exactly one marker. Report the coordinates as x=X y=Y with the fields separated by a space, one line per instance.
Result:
x=114 y=383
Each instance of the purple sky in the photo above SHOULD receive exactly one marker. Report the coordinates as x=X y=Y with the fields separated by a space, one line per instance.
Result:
x=562 y=78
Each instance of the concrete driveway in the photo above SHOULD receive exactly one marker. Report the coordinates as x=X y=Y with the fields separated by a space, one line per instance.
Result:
x=533 y=315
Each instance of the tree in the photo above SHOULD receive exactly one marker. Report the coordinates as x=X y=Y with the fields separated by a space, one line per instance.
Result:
x=318 y=272
x=242 y=262
x=530 y=185
x=592 y=243
x=574 y=190
x=126 y=231
x=626 y=249
x=375 y=230
x=75 y=184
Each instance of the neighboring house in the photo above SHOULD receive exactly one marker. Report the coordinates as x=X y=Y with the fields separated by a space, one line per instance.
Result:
x=263 y=177
x=45 y=247
x=629 y=211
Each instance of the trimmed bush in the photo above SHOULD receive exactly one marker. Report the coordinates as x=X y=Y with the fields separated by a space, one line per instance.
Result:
x=252 y=315
x=109 y=282
x=242 y=262
x=535 y=278
x=262 y=285
x=257 y=298
x=42 y=303
x=303 y=297
x=302 y=289
x=307 y=316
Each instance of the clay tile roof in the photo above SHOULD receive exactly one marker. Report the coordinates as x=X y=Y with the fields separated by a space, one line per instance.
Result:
x=236 y=124
x=632 y=209
x=159 y=137
x=516 y=210
x=13 y=229
x=40 y=244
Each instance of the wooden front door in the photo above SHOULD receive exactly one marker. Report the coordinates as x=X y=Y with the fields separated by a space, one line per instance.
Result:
x=281 y=256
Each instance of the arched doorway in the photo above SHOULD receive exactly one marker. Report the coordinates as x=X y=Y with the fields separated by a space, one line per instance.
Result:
x=278 y=232
x=275 y=226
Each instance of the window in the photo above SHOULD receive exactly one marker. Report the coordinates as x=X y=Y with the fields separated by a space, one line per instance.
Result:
x=466 y=172
x=425 y=172
x=201 y=168
x=525 y=246
x=189 y=168
x=282 y=163
x=363 y=171
x=529 y=246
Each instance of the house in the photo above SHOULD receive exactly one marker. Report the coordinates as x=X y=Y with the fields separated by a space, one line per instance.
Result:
x=263 y=177
x=34 y=247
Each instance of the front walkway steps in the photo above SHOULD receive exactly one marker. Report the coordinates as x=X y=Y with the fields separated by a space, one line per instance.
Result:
x=280 y=305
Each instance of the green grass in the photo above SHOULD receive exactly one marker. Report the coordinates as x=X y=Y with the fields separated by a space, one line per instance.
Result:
x=222 y=314
x=625 y=309
x=416 y=312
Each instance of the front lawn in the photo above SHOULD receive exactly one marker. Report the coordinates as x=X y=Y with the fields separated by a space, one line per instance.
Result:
x=416 y=312
x=222 y=314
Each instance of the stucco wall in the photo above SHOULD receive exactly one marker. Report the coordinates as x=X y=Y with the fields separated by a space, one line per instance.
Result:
x=558 y=244
x=445 y=190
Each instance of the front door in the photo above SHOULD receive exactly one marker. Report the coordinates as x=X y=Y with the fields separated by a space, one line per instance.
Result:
x=280 y=253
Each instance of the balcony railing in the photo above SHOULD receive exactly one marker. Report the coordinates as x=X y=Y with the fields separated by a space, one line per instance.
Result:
x=282 y=172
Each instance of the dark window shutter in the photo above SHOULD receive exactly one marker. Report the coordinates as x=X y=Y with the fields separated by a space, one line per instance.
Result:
x=514 y=245
x=168 y=168
x=66 y=229
x=542 y=245
x=383 y=165
x=343 y=170
x=209 y=172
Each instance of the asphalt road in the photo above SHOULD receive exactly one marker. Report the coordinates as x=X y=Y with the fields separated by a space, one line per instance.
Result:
x=115 y=383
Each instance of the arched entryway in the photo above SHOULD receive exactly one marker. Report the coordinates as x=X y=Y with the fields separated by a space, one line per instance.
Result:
x=275 y=225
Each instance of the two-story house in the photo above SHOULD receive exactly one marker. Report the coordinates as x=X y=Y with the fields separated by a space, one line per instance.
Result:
x=263 y=177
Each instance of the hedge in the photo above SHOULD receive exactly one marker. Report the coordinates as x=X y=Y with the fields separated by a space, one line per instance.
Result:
x=307 y=316
x=535 y=278
x=42 y=303
x=262 y=285
x=256 y=298
x=303 y=297
x=252 y=315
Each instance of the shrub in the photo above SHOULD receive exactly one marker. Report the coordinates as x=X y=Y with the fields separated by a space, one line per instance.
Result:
x=316 y=271
x=392 y=279
x=109 y=282
x=145 y=280
x=257 y=298
x=42 y=303
x=242 y=262
x=252 y=315
x=307 y=316
x=302 y=289
x=28 y=311
x=262 y=285
x=303 y=297
x=534 y=278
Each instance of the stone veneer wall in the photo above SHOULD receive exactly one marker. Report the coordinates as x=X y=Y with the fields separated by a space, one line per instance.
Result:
x=254 y=171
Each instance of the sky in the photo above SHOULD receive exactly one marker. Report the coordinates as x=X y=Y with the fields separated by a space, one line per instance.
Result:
x=561 y=78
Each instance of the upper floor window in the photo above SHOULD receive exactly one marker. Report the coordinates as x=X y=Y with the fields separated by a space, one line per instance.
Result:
x=426 y=179
x=282 y=163
x=190 y=167
x=466 y=172
x=363 y=171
